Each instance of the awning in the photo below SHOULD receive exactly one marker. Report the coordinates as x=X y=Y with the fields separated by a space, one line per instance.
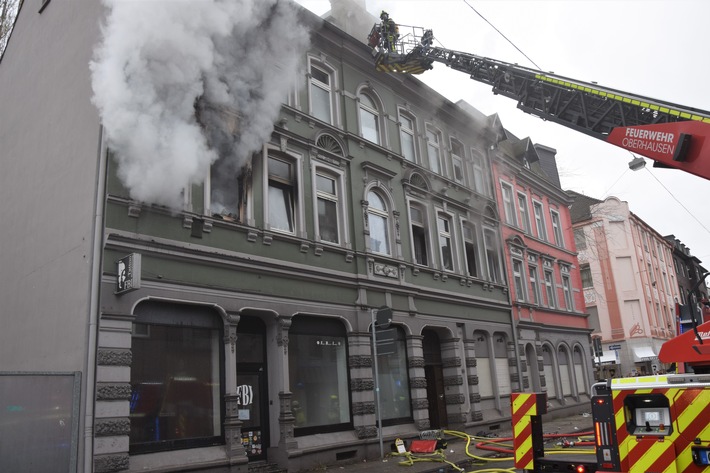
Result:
x=606 y=359
x=644 y=354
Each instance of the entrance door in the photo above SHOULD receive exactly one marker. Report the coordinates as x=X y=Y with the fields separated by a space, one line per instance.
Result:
x=252 y=391
x=434 y=374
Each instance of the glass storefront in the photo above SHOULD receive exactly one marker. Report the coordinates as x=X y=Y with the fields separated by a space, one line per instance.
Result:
x=176 y=385
x=318 y=372
x=395 y=399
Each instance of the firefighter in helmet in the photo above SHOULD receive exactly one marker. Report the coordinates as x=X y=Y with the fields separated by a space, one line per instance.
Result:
x=390 y=31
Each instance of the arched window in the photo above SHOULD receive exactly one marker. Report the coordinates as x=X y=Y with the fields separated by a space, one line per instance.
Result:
x=378 y=217
x=548 y=364
x=564 y=362
x=578 y=357
x=369 y=118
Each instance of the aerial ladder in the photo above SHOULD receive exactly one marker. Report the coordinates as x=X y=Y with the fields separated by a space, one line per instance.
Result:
x=658 y=423
x=672 y=135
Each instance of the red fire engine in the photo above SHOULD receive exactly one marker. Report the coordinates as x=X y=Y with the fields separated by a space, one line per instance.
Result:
x=648 y=424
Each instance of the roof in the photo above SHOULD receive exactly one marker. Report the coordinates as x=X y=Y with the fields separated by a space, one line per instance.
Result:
x=580 y=210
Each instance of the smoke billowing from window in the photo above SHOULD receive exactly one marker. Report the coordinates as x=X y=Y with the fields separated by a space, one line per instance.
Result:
x=158 y=57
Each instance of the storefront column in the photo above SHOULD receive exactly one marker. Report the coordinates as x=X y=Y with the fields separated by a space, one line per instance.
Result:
x=417 y=380
x=453 y=383
x=287 y=420
x=232 y=425
x=362 y=384
x=474 y=396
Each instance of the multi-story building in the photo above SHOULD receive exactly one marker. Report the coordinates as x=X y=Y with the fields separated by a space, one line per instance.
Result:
x=629 y=284
x=544 y=277
x=689 y=271
x=236 y=325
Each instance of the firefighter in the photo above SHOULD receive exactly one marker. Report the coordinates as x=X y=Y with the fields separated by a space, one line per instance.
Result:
x=390 y=31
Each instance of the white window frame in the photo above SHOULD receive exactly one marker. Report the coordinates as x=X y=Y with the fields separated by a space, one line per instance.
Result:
x=328 y=88
x=433 y=143
x=550 y=289
x=478 y=179
x=494 y=253
x=295 y=161
x=446 y=234
x=556 y=221
x=386 y=215
x=340 y=200
x=457 y=160
x=376 y=112
x=519 y=279
x=534 y=277
x=539 y=215
x=411 y=132
x=507 y=192
x=473 y=241
x=524 y=211
x=424 y=226
x=567 y=287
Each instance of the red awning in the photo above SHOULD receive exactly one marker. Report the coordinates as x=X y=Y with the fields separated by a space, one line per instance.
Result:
x=686 y=347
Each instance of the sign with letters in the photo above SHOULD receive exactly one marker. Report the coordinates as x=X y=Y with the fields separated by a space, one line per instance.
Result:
x=128 y=273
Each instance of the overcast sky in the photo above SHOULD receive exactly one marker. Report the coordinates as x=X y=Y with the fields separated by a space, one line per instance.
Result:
x=654 y=48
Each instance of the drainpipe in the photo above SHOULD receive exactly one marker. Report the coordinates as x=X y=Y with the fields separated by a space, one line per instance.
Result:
x=516 y=348
x=94 y=297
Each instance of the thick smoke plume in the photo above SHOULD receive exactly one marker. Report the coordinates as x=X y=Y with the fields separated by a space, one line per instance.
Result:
x=158 y=57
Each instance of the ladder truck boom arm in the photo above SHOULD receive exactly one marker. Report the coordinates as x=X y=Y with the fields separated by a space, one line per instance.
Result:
x=671 y=135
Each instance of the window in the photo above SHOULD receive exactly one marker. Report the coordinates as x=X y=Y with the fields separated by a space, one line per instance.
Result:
x=457 y=156
x=378 y=216
x=434 y=149
x=321 y=93
x=447 y=256
x=395 y=399
x=567 y=288
x=580 y=240
x=557 y=228
x=327 y=203
x=420 y=246
x=479 y=183
x=471 y=249
x=407 y=134
x=227 y=193
x=369 y=118
x=508 y=204
x=492 y=261
x=519 y=281
x=318 y=372
x=550 y=288
x=534 y=284
x=539 y=221
x=586 y=273
x=176 y=385
x=282 y=194
x=524 y=213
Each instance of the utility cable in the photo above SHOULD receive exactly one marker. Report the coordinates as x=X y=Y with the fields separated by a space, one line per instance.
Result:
x=504 y=36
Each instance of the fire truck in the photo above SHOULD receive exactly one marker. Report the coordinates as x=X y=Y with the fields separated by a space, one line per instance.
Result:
x=648 y=424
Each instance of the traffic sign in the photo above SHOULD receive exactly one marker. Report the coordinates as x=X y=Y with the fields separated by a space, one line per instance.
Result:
x=615 y=347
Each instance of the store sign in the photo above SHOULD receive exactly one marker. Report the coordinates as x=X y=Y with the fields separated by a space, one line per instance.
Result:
x=128 y=273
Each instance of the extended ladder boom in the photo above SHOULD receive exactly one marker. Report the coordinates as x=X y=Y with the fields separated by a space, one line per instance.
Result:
x=672 y=135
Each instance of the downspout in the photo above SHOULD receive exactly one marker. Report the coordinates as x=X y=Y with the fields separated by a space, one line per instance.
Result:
x=516 y=348
x=94 y=299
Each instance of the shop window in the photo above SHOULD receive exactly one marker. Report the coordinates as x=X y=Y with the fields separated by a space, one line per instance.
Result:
x=395 y=398
x=176 y=378
x=318 y=371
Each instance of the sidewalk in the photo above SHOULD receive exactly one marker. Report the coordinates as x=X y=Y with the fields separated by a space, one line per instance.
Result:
x=456 y=451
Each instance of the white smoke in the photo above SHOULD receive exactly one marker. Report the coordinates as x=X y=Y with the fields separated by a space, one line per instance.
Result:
x=158 y=57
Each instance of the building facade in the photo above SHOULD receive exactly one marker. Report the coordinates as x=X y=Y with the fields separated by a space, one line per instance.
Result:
x=237 y=328
x=541 y=260
x=629 y=285
x=691 y=277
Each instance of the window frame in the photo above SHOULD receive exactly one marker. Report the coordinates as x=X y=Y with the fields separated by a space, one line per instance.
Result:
x=423 y=230
x=449 y=235
x=386 y=215
x=556 y=222
x=432 y=131
x=339 y=198
x=534 y=278
x=294 y=161
x=550 y=287
x=519 y=279
x=478 y=179
x=375 y=110
x=475 y=251
x=567 y=289
x=329 y=89
x=540 y=224
x=524 y=211
x=412 y=132
x=507 y=193
x=492 y=255
x=459 y=159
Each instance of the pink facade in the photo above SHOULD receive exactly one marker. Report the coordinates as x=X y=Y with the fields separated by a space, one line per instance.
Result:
x=540 y=254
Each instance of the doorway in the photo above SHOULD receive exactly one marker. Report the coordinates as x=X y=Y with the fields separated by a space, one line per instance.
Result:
x=252 y=389
x=434 y=374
